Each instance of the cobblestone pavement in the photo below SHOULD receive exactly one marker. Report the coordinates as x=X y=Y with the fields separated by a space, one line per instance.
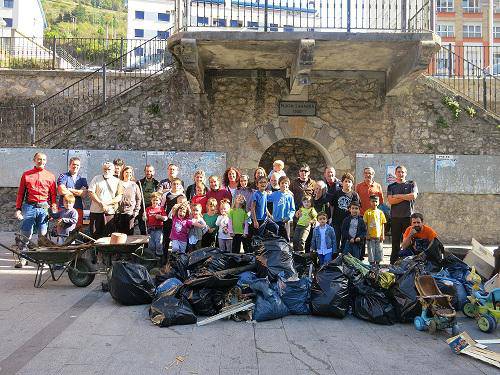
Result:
x=62 y=329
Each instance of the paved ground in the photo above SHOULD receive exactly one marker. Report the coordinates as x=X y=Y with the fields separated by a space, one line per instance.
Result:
x=61 y=329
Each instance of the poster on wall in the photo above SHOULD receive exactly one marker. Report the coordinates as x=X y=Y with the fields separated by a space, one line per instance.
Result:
x=390 y=173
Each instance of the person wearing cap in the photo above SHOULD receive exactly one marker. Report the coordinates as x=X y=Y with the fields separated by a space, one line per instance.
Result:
x=105 y=191
x=302 y=185
x=36 y=193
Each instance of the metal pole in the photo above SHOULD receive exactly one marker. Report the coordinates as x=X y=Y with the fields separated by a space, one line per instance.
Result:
x=121 y=53
x=485 y=101
x=54 y=53
x=266 y=3
x=33 y=124
x=348 y=16
x=432 y=18
x=450 y=63
x=403 y=15
x=104 y=85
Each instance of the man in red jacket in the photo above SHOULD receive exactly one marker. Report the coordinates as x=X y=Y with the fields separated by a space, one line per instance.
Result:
x=36 y=194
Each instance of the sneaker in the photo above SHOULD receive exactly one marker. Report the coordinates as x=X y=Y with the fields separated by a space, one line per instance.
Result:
x=21 y=263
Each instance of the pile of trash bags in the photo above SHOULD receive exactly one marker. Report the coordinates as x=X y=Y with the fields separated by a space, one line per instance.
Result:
x=281 y=282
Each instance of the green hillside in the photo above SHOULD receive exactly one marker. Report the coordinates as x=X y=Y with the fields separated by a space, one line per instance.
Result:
x=86 y=18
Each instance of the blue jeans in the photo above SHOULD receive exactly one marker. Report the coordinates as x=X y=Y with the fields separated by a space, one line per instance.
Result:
x=156 y=241
x=325 y=258
x=34 y=219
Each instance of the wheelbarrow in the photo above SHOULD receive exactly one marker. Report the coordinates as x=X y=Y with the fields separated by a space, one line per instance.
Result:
x=437 y=310
x=58 y=260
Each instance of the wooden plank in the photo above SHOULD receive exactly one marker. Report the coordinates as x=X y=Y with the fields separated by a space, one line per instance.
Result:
x=233 y=310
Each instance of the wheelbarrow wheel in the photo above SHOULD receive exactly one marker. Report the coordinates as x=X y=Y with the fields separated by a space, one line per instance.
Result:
x=487 y=323
x=470 y=310
x=80 y=273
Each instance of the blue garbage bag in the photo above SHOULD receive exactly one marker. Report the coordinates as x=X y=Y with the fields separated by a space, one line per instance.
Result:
x=296 y=295
x=246 y=279
x=268 y=304
x=169 y=286
x=459 y=291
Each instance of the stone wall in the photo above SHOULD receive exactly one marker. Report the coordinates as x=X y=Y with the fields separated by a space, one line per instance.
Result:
x=238 y=115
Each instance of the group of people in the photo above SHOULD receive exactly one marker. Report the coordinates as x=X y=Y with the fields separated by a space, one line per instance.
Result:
x=327 y=216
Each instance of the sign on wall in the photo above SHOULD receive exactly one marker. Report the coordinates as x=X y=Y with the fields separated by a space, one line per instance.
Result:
x=297 y=108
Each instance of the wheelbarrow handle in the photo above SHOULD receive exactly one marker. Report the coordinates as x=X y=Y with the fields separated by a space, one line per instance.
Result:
x=87 y=237
x=10 y=249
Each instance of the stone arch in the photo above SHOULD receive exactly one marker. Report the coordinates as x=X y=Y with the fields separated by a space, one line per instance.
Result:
x=324 y=136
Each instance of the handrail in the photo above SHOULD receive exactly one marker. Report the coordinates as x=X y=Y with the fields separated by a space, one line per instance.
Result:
x=98 y=87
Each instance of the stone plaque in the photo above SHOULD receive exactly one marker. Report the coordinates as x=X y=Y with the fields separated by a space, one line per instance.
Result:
x=296 y=108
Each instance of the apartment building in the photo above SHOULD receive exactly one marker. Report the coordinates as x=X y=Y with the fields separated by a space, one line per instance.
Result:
x=473 y=34
x=22 y=18
x=149 y=18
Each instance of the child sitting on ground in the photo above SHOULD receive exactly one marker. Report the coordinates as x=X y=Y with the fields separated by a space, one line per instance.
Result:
x=196 y=233
x=239 y=219
x=66 y=218
x=155 y=216
x=225 y=233
x=306 y=218
x=180 y=227
x=375 y=223
x=353 y=232
x=323 y=240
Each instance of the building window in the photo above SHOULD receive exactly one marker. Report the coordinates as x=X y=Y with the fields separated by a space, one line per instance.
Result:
x=236 y=23
x=201 y=20
x=273 y=27
x=446 y=30
x=496 y=31
x=445 y=6
x=139 y=33
x=287 y=28
x=139 y=14
x=472 y=31
x=221 y=22
x=471 y=6
x=252 y=25
x=139 y=51
x=8 y=22
x=8 y=3
x=160 y=51
x=163 y=34
x=164 y=17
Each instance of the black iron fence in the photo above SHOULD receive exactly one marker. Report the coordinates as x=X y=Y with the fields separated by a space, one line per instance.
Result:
x=308 y=15
x=22 y=52
x=41 y=122
x=474 y=71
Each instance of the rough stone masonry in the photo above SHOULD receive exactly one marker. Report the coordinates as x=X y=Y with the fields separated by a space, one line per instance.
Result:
x=238 y=115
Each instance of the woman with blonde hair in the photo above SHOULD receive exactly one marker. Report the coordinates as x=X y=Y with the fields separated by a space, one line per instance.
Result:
x=130 y=204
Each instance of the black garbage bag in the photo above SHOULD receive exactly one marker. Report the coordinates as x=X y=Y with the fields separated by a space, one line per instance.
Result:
x=177 y=268
x=296 y=295
x=268 y=304
x=273 y=256
x=131 y=284
x=330 y=290
x=210 y=280
x=204 y=301
x=302 y=262
x=404 y=296
x=372 y=304
x=226 y=261
x=198 y=257
x=168 y=311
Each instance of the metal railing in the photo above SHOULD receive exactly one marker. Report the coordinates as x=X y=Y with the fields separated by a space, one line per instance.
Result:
x=21 y=52
x=307 y=15
x=43 y=121
x=466 y=69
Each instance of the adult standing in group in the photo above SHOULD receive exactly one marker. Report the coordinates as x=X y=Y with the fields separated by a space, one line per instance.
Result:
x=105 y=191
x=257 y=174
x=172 y=173
x=340 y=202
x=130 y=203
x=72 y=183
x=333 y=184
x=401 y=195
x=245 y=190
x=36 y=194
x=199 y=179
x=119 y=164
x=231 y=180
x=217 y=192
x=148 y=185
x=302 y=185
x=367 y=188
